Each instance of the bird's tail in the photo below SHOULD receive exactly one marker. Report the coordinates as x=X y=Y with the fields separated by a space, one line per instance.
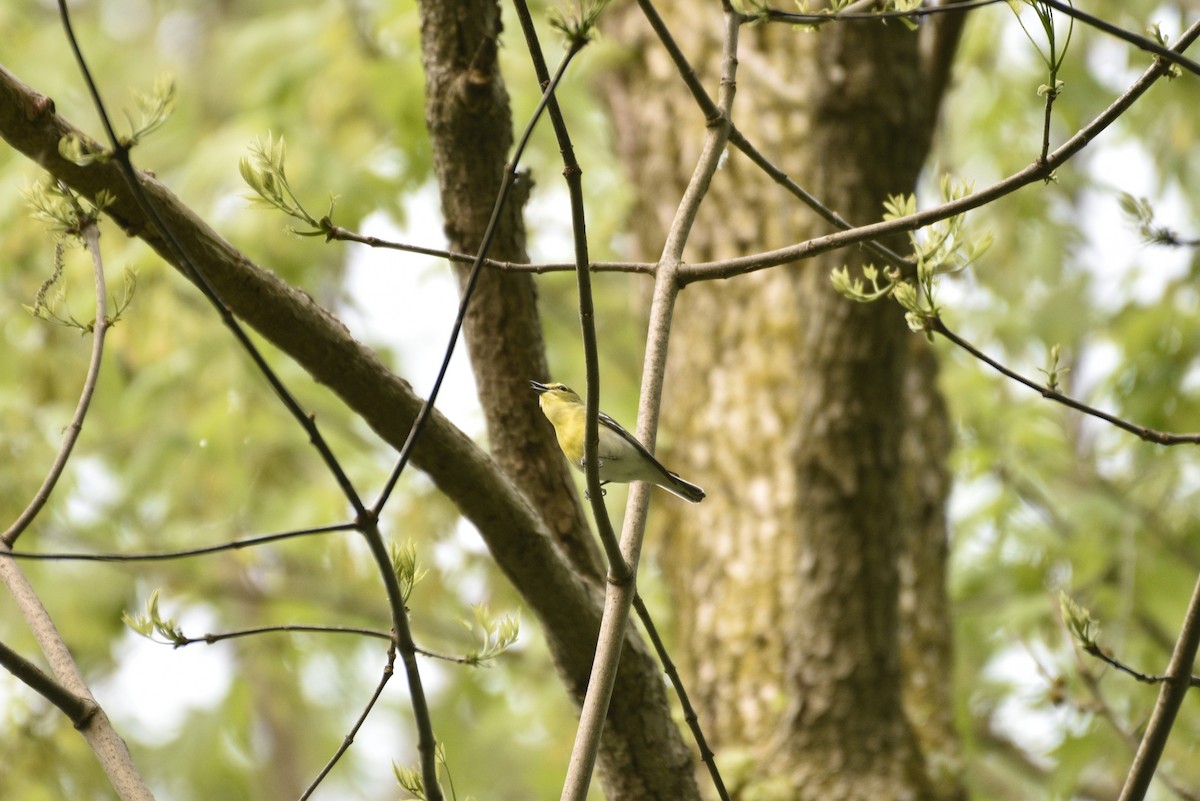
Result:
x=683 y=489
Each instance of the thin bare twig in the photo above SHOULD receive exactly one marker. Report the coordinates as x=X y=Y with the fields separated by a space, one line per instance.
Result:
x=348 y=740
x=619 y=594
x=212 y=639
x=936 y=325
x=303 y=628
x=689 y=712
x=510 y=176
x=1051 y=96
x=342 y=234
x=1145 y=678
x=166 y=556
x=1037 y=171
x=90 y=234
x=366 y=521
x=573 y=174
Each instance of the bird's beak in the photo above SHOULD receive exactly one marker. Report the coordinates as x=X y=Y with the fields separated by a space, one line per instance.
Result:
x=538 y=386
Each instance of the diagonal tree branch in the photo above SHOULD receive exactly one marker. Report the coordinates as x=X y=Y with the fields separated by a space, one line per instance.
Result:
x=295 y=323
x=1037 y=171
x=1170 y=698
x=565 y=601
x=936 y=325
x=367 y=522
x=78 y=710
x=67 y=688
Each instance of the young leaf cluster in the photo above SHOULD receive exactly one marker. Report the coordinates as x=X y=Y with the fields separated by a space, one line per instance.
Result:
x=834 y=7
x=404 y=564
x=579 y=27
x=265 y=171
x=64 y=212
x=154 y=109
x=1054 y=370
x=66 y=215
x=1079 y=622
x=901 y=6
x=938 y=250
x=1141 y=213
x=887 y=10
x=410 y=780
x=1053 y=55
x=46 y=306
x=1155 y=32
x=496 y=634
x=153 y=626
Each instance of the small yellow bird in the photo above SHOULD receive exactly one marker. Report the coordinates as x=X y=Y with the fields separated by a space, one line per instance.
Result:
x=622 y=458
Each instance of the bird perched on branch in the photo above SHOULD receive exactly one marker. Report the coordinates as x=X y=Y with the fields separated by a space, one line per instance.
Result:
x=622 y=458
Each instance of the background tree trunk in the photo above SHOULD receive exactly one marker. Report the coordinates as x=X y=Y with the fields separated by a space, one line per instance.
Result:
x=787 y=581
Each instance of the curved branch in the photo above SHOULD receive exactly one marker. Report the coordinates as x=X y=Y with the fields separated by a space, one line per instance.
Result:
x=66 y=689
x=91 y=237
x=622 y=586
x=166 y=556
x=1148 y=434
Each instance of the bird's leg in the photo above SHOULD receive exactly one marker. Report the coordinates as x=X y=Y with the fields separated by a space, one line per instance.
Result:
x=603 y=492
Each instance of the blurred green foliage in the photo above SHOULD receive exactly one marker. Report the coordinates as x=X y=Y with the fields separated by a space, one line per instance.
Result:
x=1048 y=499
x=186 y=446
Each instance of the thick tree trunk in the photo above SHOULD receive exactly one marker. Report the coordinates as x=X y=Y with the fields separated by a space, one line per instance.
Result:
x=926 y=639
x=792 y=403
x=470 y=127
x=467 y=112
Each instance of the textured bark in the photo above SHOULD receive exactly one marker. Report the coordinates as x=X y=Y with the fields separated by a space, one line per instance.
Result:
x=468 y=116
x=786 y=581
x=926 y=637
x=470 y=126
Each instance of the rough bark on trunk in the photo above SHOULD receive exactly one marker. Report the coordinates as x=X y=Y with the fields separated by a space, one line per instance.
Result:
x=786 y=581
x=470 y=125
